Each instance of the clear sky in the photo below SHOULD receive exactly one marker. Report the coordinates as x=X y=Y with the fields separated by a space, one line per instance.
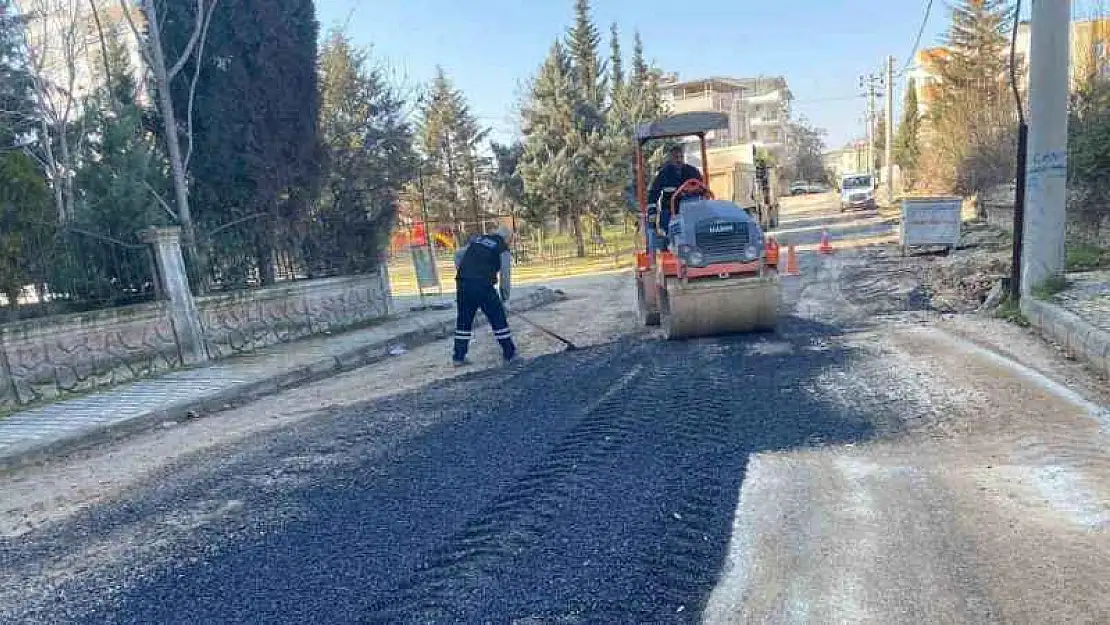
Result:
x=489 y=46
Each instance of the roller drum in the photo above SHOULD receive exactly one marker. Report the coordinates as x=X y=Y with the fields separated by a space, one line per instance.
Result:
x=715 y=307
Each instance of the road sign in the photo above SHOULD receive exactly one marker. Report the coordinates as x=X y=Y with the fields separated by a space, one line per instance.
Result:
x=424 y=262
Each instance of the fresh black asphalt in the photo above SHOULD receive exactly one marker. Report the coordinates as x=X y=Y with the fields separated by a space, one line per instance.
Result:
x=596 y=486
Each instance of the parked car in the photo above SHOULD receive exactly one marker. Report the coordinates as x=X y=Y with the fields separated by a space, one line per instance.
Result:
x=799 y=187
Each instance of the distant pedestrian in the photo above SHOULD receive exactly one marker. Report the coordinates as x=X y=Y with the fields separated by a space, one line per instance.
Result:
x=479 y=263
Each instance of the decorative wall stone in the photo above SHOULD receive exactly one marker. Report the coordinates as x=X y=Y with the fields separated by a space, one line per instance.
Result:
x=48 y=358
x=43 y=359
x=242 y=322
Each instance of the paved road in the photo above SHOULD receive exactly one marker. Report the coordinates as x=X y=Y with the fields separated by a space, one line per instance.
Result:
x=773 y=478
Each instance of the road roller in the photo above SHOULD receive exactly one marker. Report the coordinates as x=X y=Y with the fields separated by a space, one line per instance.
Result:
x=710 y=273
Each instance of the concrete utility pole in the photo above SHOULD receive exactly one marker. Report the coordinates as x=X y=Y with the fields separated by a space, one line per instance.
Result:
x=1046 y=173
x=868 y=82
x=888 y=159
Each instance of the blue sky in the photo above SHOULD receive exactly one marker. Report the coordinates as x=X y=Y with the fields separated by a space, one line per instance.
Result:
x=489 y=47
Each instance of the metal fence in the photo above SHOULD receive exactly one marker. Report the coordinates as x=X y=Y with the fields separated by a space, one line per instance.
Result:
x=256 y=254
x=531 y=246
x=72 y=270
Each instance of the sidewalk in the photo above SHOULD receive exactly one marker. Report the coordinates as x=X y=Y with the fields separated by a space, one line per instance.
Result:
x=38 y=433
x=1078 y=319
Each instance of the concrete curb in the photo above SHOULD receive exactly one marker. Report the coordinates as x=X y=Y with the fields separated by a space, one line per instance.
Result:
x=1077 y=336
x=212 y=403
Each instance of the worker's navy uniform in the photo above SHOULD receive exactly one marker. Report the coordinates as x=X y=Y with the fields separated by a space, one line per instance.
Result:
x=672 y=176
x=475 y=282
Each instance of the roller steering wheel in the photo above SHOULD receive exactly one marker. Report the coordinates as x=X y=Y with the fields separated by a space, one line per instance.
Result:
x=693 y=186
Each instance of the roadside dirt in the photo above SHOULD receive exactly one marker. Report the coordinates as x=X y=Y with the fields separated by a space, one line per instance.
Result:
x=598 y=310
x=989 y=503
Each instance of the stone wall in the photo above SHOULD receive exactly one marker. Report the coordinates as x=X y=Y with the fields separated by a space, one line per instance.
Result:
x=43 y=359
x=244 y=321
x=999 y=205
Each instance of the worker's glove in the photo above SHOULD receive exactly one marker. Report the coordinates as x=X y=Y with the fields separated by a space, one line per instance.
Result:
x=504 y=295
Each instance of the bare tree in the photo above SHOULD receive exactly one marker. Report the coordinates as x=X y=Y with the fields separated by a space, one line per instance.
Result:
x=56 y=45
x=165 y=72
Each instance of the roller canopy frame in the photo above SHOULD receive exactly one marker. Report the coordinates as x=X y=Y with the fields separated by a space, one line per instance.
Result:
x=693 y=123
x=682 y=125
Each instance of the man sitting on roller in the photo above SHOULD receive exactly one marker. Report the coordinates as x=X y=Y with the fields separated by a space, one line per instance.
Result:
x=668 y=179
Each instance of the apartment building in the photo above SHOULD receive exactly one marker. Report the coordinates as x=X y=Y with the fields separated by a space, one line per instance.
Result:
x=758 y=108
x=63 y=37
x=1090 y=55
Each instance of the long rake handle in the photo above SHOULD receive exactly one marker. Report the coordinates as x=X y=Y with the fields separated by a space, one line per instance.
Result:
x=543 y=329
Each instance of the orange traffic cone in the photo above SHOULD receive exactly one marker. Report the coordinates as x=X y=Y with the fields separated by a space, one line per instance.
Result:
x=792 y=261
x=825 y=247
x=772 y=259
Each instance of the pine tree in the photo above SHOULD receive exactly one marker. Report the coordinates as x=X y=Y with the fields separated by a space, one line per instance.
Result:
x=880 y=139
x=119 y=165
x=27 y=221
x=449 y=139
x=577 y=124
x=616 y=64
x=906 y=146
x=18 y=116
x=370 y=159
x=258 y=161
x=645 y=92
x=588 y=71
x=639 y=65
x=972 y=120
x=588 y=154
x=548 y=124
x=506 y=178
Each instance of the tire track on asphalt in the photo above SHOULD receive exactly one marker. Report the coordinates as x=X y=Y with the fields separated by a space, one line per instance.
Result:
x=131 y=542
x=702 y=432
x=516 y=520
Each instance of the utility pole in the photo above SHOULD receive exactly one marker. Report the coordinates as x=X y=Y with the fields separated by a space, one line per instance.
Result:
x=869 y=82
x=888 y=142
x=1046 y=173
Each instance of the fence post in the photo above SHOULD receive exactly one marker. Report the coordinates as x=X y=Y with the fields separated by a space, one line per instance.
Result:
x=166 y=243
x=383 y=275
x=7 y=381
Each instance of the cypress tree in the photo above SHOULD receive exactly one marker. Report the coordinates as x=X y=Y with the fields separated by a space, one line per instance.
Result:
x=258 y=159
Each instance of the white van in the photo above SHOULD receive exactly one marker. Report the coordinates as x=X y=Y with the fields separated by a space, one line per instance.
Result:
x=857 y=191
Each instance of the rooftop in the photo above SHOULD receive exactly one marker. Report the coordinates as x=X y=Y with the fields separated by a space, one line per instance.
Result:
x=754 y=84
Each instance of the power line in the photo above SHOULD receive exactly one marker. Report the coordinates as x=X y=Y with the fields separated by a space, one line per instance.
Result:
x=917 y=41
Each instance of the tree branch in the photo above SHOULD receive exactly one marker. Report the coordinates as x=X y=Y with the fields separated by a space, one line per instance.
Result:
x=104 y=55
x=125 y=6
x=162 y=202
x=188 y=51
x=236 y=222
x=193 y=86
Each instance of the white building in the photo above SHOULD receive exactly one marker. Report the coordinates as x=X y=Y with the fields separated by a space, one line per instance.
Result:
x=758 y=108
x=64 y=42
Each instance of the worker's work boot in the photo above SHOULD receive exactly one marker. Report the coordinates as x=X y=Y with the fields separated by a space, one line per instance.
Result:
x=460 y=363
x=508 y=349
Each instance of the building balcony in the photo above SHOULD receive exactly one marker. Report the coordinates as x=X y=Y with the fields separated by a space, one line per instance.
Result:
x=766 y=122
x=771 y=97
